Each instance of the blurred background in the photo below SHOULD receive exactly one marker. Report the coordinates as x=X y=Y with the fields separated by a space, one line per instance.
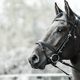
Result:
x=22 y=23
x=34 y=78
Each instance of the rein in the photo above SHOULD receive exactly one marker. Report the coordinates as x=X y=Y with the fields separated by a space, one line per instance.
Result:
x=54 y=58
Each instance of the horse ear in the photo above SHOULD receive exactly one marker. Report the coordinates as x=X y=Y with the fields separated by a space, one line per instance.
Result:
x=68 y=10
x=57 y=9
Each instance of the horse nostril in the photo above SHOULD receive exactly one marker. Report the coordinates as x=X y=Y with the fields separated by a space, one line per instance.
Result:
x=35 y=59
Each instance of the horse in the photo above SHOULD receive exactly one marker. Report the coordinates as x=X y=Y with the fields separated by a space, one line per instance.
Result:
x=61 y=42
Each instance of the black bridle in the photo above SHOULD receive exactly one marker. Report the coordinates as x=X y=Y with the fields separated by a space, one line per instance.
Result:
x=56 y=56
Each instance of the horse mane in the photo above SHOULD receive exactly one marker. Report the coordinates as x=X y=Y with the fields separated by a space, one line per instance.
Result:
x=77 y=15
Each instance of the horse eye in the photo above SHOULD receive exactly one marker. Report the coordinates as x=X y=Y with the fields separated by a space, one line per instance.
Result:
x=60 y=29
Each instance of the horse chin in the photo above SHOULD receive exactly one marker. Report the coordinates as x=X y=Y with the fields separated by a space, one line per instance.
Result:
x=41 y=67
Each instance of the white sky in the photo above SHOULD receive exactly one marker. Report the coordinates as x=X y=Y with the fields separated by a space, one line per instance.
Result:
x=33 y=2
x=1 y=6
x=75 y=4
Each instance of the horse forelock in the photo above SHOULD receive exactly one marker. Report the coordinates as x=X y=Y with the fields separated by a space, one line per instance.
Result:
x=52 y=29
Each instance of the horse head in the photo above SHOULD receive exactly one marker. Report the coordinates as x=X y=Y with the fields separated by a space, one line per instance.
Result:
x=58 y=42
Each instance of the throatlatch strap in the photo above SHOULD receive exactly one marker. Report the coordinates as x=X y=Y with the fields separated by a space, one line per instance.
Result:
x=69 y=76
x=69 y=65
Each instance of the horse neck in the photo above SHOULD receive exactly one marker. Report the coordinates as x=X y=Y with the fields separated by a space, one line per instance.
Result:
x=76 y=63
x=76 y=59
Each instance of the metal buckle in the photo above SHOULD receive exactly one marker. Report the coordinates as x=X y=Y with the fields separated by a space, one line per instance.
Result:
x=55 y=58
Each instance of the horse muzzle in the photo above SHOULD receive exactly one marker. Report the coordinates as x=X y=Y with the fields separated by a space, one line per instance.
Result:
x=35 y=62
